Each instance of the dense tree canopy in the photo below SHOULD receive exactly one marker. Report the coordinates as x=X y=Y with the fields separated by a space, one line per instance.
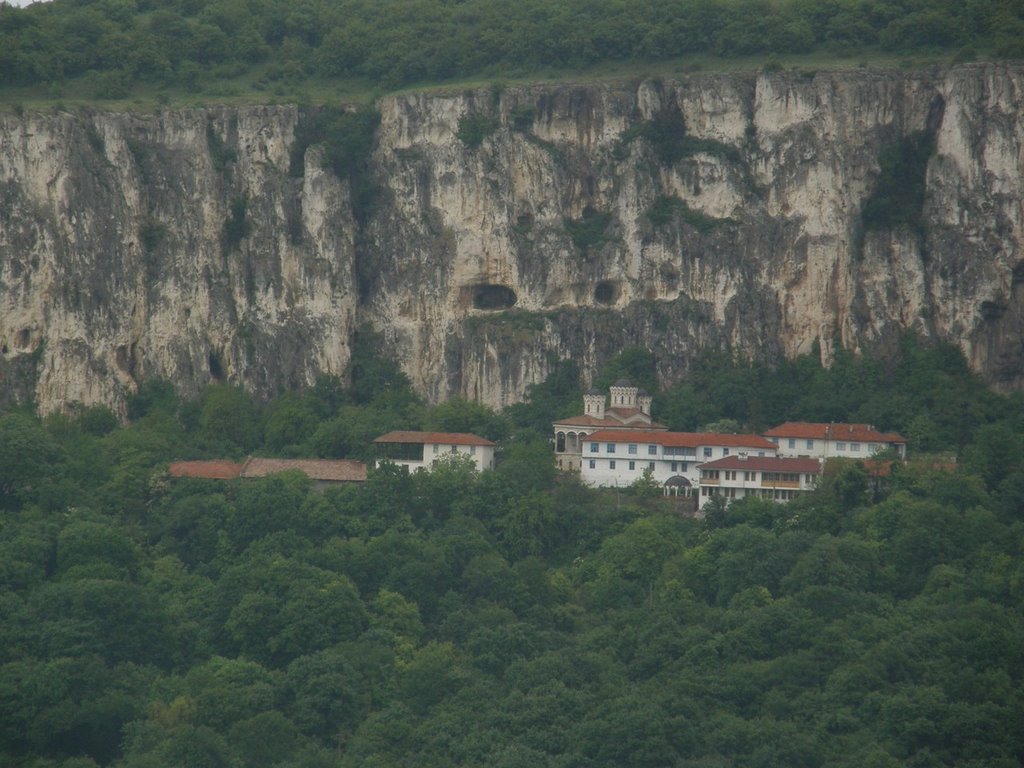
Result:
x=512 y=618
x=110 y=44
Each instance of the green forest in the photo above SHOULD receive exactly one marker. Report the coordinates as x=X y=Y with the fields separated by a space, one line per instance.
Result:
x=107 y=48
x=513 y=619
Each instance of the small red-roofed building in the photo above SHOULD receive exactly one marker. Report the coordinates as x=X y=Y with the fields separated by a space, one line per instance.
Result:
x=213 y=469
x=768 y=477
x=618 y=458
x=803 y=439
x=421 y=449
x=625 y=408
x=323 y=472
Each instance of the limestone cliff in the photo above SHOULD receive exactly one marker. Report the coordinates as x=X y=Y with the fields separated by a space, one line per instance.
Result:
x=716 y=211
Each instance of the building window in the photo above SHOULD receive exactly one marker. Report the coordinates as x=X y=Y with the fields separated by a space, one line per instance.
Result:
x=855 y=447
x=748 y=476
x=810 y=444
x=674 y=465
x=632 y=449
x=707 y=453
x=650 y=465
x=725 y=451
x=611 y=464
x=682 y=466
x=840 y=446
x=872 y=447
x=632 y=466
x=792 y=442
x=594 y=448
x=652 y=450
x=593 y=464
x=436 y=448
x=609 y=448
x=472 y=450
x=774 y=440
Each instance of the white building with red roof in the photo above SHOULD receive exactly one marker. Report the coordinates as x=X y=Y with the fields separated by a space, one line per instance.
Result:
x=832 y=441
x=423 y=449
x=619 y=457
x=625 y=408
x=769 y=477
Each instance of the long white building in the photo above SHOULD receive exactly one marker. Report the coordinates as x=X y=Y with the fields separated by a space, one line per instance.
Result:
x=618 y=458
x=812 y=440
x=770 y=477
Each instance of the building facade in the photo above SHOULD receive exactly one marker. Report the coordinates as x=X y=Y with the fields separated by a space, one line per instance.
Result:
x=624 y=408
x=768 y=477
x=801 y=439
x=422 y=449
x=618 y=458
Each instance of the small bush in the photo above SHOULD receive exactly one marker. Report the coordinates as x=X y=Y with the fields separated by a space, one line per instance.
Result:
x=522 y=117
x=151 y=233
x=474 y=127
x=663 y=209
x=236 y=227
x=588 y=231
x=220 y=153
x=666 y=133
x=667 y=208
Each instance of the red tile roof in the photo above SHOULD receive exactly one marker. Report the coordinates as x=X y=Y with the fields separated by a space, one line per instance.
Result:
x=863 y=433
x=682 y=439
x=590 y=421
x=434 y=438
x=328 y=470
x=215 y=469
x=765 y=464
x=623 y=416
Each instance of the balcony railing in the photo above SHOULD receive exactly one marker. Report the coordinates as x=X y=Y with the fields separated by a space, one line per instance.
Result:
x=780 y=484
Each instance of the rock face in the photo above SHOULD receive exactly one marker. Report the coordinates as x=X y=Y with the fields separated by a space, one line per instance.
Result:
x=512 y=229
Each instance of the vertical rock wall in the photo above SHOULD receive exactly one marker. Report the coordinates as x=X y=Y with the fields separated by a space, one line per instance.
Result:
x=721 y=211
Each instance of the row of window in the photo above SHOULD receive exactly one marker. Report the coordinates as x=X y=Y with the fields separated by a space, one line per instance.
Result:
x=777 y=494
x=748 y=477
x=632 y=465
x=809 y=444
x=455 y=449
x=652 y=450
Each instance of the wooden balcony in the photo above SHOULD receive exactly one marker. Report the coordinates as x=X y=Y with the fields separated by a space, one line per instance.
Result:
x=709 y=481
x=781 y=484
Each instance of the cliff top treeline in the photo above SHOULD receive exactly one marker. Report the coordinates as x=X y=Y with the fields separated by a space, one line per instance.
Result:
x=115 y=43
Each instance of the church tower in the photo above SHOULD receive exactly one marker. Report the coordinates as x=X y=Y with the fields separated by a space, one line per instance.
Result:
x=593 y=404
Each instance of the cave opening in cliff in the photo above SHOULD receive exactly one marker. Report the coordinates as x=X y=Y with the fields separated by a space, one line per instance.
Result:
x=606 y=292
x=216 y=368
x=494 y=297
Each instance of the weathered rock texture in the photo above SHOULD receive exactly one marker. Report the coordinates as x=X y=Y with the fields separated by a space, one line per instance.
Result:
x=124 y=253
